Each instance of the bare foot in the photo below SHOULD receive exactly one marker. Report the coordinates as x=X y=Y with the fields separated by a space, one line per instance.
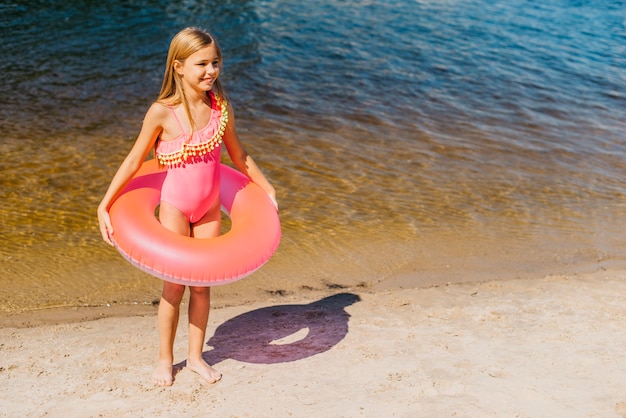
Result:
x=205 y=371
x=164 y=374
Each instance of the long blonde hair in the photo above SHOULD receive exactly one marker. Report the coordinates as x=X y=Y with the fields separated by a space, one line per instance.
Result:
x=185 y=43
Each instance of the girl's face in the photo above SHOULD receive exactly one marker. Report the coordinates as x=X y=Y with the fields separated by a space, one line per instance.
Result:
x=200 y=70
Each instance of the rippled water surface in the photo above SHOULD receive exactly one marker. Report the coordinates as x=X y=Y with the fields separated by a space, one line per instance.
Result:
x=459 y=140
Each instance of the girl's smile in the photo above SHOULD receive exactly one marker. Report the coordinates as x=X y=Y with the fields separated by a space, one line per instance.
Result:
x=203 y=66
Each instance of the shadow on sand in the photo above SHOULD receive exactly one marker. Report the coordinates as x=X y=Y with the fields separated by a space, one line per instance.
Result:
x=283 y=333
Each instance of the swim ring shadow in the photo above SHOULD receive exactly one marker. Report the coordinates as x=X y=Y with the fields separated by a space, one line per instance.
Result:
x=254 y=337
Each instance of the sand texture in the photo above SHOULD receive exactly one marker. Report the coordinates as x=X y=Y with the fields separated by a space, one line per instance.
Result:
x=552 y=347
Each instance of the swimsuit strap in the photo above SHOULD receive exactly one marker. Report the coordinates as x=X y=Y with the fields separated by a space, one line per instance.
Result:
x=180 y=125
x=180 y=156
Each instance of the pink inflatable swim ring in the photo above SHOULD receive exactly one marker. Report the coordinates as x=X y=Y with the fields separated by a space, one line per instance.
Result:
x=252 y=239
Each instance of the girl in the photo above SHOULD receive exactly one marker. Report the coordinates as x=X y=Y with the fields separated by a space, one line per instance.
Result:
x=186 y=127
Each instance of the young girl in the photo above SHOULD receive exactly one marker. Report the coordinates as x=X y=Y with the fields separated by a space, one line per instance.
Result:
x=186 y=127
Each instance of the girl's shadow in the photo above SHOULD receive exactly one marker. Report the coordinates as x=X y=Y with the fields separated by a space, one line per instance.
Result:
x=283 y=333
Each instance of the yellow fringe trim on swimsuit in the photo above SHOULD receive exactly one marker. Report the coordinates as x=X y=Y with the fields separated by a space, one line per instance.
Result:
x=194 y=150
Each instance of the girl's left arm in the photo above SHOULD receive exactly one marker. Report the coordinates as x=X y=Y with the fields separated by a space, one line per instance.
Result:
x=242 y=160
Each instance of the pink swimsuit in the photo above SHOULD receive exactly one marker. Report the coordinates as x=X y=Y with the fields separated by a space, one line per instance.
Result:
x=192 y=183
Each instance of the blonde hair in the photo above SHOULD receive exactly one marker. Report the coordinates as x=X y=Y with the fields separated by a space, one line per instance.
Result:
x=185 y=43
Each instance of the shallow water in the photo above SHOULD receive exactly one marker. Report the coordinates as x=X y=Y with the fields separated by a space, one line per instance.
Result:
x=453 y=139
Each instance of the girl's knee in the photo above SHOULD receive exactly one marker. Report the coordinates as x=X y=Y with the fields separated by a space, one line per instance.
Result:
x=200 y=291
x=173 y=293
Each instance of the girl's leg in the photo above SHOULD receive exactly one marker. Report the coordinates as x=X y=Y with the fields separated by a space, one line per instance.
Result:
x=173 y=219
x=200 y=304
x=168 y=314
x=169 y=306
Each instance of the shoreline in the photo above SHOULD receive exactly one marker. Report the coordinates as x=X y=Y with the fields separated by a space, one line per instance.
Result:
x=245 y=294
x=523 y=347
x=221 y=300
x=72 y=281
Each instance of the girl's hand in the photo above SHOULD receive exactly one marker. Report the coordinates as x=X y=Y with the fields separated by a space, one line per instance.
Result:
x=106 y=228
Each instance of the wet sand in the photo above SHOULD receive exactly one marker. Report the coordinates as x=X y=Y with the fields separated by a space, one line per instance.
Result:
x=551 y=347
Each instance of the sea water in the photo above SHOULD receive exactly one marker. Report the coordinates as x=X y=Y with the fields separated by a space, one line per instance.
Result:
x=433 y=140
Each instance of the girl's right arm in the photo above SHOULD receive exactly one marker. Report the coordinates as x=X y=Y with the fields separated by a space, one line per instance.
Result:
x=150 y=131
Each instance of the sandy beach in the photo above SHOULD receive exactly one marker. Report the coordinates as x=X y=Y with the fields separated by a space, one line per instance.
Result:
x=551 y=347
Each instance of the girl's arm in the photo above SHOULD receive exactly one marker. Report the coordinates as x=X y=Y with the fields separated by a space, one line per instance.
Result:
x=242 y=160
x=150 y=130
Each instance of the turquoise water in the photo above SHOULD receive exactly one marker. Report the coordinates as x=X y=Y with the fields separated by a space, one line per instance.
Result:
x=447 y=140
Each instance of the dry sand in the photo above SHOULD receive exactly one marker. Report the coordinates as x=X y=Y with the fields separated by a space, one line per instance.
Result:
x=552 y=347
